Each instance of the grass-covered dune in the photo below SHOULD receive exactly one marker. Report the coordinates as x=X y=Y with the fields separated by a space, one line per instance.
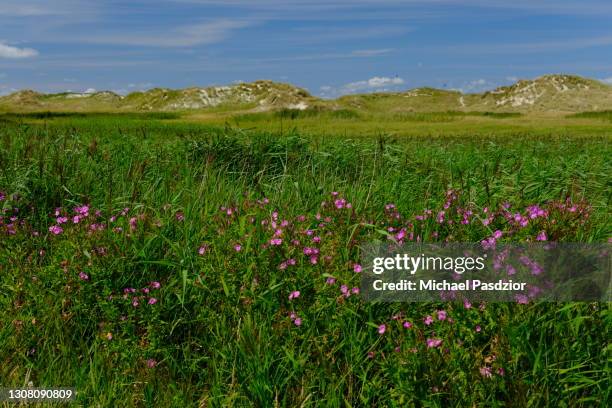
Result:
x=150 y=261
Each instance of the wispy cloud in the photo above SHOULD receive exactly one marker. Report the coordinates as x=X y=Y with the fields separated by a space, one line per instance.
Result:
x=318 y=33
x=9 y=51
x=543 y=7
x=607 y=80
x=530 y=47
x=550 y=7
x=186 y=36
x=15 y=9
x=34 y=8
x=372 y=53
x=325 y=56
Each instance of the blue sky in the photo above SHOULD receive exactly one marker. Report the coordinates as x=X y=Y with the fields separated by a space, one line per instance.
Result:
x=329 y=47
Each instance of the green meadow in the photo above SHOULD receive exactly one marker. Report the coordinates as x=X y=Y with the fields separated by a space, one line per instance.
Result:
x=212 y=259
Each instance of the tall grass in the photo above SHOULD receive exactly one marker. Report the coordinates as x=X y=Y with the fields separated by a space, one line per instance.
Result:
x=221 y=333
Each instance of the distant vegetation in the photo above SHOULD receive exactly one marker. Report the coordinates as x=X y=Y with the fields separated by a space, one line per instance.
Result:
x=549 y=93
x=295 y=114
x=433 y=117
x=604 y=115
x=449 y=116
x=92 y=115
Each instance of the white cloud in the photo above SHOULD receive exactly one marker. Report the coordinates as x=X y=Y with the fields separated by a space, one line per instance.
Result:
x=607 y=80
x=8 y=51
x=90 y=91
x=512 y=78
x=374 y=84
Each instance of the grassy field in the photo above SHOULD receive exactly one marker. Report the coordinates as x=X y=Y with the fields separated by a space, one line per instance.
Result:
x=154 y=259
x=355 y=124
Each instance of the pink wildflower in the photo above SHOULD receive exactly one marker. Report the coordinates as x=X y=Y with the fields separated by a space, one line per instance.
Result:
x=431 y=343
x=83 y=210
x=486 y=372
x=488 y=243
x=401 y=234
x=55 y=229
x=521 y=299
